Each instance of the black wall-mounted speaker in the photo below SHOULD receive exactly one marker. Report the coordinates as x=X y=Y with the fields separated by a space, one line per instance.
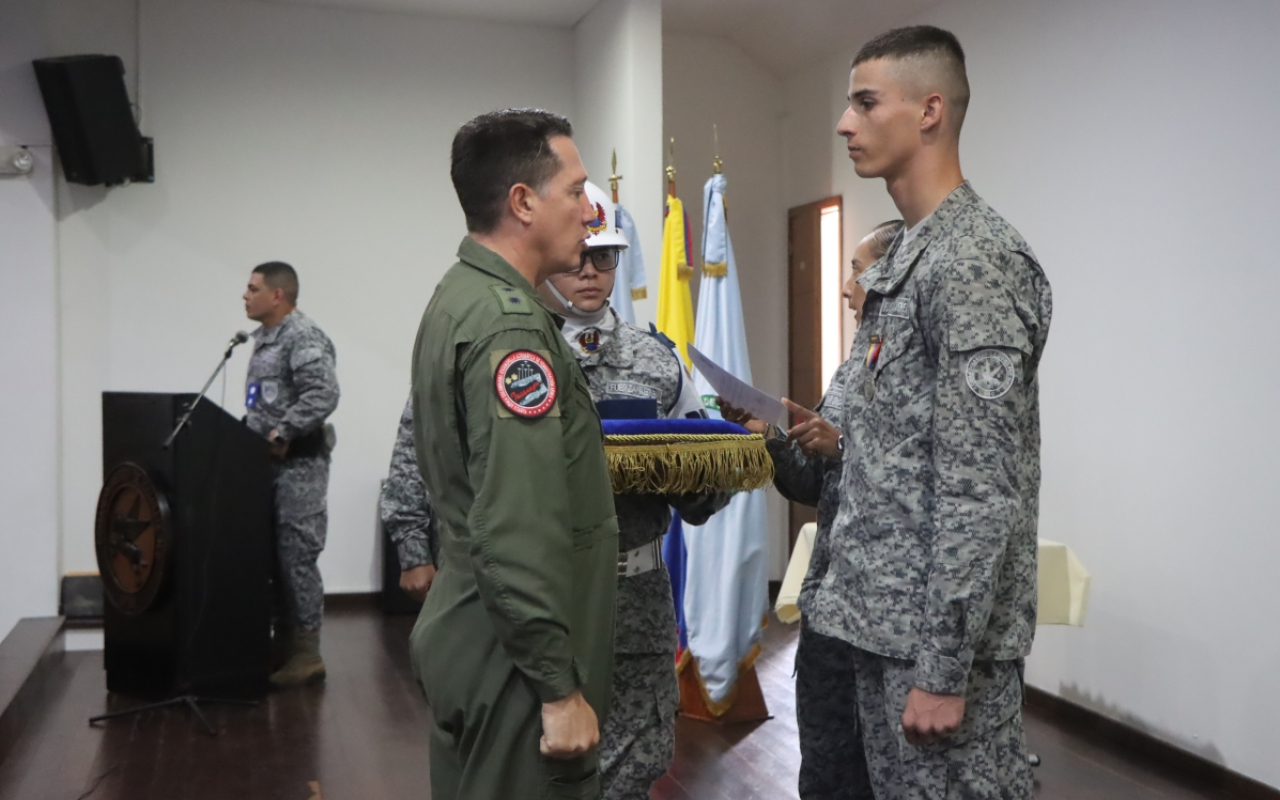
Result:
x=93 y=125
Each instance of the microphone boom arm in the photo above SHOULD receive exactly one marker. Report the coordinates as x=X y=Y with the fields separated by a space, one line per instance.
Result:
x=182 y=423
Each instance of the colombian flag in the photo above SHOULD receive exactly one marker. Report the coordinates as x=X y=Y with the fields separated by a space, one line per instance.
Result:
x=675 y=303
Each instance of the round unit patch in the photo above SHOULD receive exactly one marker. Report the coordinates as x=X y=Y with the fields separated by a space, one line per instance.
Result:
x=989 y=373
x=526 y=384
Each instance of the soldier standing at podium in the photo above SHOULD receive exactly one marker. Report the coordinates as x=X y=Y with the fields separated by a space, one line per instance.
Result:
x=291 y=389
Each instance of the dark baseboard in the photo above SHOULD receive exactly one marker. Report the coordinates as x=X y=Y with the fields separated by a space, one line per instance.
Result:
x=81 y=596
x=81 y=600
x=352 y=601
x=1185 y=764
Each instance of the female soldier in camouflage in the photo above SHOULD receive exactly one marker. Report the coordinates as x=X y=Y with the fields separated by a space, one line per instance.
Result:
x=806 y=463
x=623 y=362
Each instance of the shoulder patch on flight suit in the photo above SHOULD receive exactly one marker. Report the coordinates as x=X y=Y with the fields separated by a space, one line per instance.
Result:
x=512 y=300
x=525 y=383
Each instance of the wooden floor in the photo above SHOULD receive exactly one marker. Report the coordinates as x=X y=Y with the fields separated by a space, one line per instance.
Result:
x=362 y=736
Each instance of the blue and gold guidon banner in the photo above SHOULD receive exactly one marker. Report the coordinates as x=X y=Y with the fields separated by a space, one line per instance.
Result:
x=680 y=456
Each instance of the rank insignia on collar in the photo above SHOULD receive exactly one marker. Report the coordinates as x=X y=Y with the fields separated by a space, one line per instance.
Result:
x=873 y=352
x=589 y=340
x=526 y=384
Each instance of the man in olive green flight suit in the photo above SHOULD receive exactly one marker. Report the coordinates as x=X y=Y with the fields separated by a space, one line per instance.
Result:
x=514 y=645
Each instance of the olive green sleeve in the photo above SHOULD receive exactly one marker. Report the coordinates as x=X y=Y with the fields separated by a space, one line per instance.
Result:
x=521 y=537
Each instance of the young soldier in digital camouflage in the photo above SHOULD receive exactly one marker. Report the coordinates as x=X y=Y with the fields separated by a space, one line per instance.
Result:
x=407 y=518
x=514 y=645
x=623 y=362
x=291 y=389
x=932 y=574
x=807 y=465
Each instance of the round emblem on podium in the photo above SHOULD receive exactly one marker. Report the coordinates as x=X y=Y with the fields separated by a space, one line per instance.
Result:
x=133 y=538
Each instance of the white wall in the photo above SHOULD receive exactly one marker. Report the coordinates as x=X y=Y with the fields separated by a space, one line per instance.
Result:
x=28 y=335
x=708 y=80
x=618 y=96
x=1130 y=142
x=316 y=136
x=808 y=128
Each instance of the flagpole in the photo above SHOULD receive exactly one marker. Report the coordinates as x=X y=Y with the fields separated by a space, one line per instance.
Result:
x=671 y=169
x=717 y=166
x=615 y=177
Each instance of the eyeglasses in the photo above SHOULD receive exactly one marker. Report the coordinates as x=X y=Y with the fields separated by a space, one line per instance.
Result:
x=604 y=259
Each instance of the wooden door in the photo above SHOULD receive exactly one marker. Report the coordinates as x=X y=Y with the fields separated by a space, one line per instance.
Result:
x=804 y=313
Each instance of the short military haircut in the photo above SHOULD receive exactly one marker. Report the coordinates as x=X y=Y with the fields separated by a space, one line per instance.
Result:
x=279 y=275
x=494 y=152
x=934 y=58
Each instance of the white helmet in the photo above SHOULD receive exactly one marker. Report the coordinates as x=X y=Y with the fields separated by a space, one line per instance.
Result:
x=604 y=229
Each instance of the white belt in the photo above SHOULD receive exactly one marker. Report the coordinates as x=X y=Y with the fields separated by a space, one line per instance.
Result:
x=645 y=558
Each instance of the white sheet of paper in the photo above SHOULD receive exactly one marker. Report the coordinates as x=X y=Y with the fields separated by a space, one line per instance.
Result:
x=737 y=393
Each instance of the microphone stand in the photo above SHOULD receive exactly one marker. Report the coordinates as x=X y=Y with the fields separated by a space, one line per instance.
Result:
x=191 y=408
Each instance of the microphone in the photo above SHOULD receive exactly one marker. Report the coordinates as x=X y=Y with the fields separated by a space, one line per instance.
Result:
x=240 y=338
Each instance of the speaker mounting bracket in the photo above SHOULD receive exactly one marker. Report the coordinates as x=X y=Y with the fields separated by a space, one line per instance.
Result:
x=16 y=160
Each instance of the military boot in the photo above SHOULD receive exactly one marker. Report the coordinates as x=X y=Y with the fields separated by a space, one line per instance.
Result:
x=304 y=666
x=283 y=645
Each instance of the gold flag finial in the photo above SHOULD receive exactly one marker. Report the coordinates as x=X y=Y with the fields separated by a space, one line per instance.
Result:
x=615 y=177
x=671 y=168
x=717 y=166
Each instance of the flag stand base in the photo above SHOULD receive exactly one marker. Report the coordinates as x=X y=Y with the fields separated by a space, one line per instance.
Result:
x=749 y=706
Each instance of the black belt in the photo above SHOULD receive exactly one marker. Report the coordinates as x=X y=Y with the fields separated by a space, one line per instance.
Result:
x=311 y=445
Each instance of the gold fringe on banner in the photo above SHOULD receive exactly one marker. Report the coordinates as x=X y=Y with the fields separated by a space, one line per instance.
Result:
x=718 y=709
x=640 y=294
x=684 y=271
x=684 y=463
x=716 y=269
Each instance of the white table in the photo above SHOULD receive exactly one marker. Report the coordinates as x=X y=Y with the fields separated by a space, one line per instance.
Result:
x=1062 y=580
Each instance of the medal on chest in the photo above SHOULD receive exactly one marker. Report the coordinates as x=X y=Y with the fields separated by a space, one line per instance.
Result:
x=589 y=340
x=873 y=351
x=869 y=374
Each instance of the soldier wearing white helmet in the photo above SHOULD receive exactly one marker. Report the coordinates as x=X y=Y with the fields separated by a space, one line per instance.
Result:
x=625 y=363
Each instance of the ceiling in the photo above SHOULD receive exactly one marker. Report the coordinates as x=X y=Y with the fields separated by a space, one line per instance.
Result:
x=562 y=13
x=785 y=35
x=782 y=35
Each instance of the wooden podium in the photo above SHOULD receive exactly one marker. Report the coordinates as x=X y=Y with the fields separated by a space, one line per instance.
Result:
x=185 y=545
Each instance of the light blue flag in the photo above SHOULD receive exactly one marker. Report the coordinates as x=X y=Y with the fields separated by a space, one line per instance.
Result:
x=726 y=591
x=629 y=284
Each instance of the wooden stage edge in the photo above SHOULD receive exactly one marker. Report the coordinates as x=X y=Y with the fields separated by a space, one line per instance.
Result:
x=24 y=654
